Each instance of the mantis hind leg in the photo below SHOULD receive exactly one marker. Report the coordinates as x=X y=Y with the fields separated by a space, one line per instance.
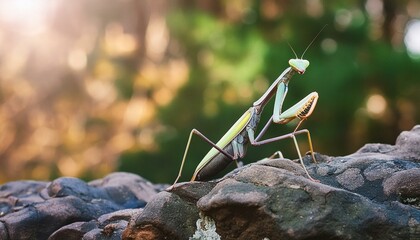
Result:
x=196 y=132
x=300 y=156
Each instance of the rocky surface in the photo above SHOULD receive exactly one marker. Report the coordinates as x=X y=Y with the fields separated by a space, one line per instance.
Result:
x=371 y=194
x=71 y=207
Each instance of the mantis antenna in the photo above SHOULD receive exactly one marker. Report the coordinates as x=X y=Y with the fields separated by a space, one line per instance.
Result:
x=312 y=41
x=292 y=50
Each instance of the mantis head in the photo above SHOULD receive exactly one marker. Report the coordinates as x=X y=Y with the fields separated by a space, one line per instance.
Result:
x=299 y=65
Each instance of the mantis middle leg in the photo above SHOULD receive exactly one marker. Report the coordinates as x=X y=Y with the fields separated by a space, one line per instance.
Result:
x=302 y=110
x=293 y=136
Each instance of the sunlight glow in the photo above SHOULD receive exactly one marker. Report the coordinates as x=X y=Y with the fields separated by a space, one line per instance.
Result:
x=26 y=16
x=376 y=105
x=157 y=38
x=412 y=38
x=68 y=166
x=117 y=42
x=77 y=59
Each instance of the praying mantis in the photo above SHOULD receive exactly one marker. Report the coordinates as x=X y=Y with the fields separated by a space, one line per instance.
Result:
x=235 y=141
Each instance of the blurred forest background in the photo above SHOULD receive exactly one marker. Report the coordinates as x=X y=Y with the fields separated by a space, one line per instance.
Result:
x=91 y=87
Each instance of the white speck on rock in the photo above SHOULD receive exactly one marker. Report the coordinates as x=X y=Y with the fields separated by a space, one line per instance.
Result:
x=206 y=229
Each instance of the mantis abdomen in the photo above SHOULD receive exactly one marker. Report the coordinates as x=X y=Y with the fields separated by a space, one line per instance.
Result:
x=213 y=167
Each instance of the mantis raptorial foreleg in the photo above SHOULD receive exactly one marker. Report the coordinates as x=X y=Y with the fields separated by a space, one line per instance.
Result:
x=300 y=110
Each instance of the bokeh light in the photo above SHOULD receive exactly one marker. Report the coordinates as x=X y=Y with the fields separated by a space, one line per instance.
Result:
x=376 y=105
x=27 y=17
x=412 y=38
x=91 y=87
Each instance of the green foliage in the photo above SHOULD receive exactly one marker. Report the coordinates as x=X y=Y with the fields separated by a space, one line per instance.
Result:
x=232 y=61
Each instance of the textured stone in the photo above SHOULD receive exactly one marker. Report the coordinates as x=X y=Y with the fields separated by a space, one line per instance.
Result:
x=371 y=194
x=169 y=216
x=351 y=179
x=107 y=226
x=69 y=208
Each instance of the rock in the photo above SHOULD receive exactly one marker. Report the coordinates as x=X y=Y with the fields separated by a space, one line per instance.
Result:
x=15 y=195
x=72 y=208
x=74 y=231
x=168 y=216
x=407 y=145
x=371 y=194
x=107 y=226
x=68 y=186
x=404 y=185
